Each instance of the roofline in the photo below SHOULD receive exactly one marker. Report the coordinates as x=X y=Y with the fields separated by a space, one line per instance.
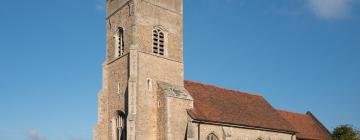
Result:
x=215 y=86
x=312 y=116
x=318 y=122
x=242 y=126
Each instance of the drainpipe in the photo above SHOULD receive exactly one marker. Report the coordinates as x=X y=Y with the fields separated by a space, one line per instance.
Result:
x=292 y=137
x=198 y=131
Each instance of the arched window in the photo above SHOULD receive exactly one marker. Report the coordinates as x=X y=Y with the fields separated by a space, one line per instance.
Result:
x=119 y=126
x=158 y=42
x=212 y=136
x=119 y=42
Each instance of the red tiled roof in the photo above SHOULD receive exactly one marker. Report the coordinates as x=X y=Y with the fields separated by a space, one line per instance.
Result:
x=307 y=125
x=215 y=104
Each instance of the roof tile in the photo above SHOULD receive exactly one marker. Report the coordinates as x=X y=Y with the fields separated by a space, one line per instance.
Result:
x=307 y=126
x=221 y=105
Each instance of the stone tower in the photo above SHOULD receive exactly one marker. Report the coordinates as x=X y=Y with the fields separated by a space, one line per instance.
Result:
x=142 y=97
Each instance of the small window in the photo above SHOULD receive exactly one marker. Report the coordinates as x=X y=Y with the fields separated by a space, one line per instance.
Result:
x=149 y=84
x=119 y=42
x=118 y=87
x=158 y=42
x=212 y=136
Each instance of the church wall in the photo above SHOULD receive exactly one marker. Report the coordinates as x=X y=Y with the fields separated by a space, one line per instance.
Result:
x=172 y=5
x=113 y=5
x=172 y=113
x=153 y=68
x=160 y=69
x=112 y=96
x=122 y=18
x=161 y=114
x=115 y=77
x=100 y=133
x=117 y=84
x=177 y=117
x=234 y=133
x=150 y=16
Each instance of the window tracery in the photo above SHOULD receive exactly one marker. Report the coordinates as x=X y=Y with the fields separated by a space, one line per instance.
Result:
x=158 y=42
x=119 y=126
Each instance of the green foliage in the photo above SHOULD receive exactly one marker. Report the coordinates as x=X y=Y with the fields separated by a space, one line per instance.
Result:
x=345 y=132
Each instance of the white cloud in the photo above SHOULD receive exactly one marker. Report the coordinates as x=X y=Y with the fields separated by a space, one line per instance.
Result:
x=35 y=135
x=331 y=9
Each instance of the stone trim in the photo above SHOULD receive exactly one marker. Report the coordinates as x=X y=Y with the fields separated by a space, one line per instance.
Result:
x=242 y=126
x=164 y=57
x=174 y=91
x=117 y=10
x=117 y=58
x=172 y=11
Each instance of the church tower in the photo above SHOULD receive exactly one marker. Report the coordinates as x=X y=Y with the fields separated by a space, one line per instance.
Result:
x=142 y=97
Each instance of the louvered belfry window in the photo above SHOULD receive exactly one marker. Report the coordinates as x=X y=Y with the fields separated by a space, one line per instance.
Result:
x=121 y=44
x=158 y=42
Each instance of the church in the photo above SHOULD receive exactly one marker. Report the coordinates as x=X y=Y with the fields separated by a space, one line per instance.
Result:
x=144 y=95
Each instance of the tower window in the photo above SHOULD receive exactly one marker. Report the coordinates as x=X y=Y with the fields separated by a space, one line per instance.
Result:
x=119 y=42
x=158 y=42
x=149 y=84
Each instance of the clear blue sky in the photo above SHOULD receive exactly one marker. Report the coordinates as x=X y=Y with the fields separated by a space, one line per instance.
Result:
x=299 y=54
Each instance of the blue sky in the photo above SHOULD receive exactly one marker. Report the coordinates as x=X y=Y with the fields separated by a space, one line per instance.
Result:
x=300 y=55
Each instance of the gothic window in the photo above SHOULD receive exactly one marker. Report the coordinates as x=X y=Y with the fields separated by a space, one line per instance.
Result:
x=158 y=42
x=212 y=136
x=119 y=126
x=119 y=42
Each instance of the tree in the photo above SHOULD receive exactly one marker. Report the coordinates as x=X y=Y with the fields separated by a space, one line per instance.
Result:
x=346 y=132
